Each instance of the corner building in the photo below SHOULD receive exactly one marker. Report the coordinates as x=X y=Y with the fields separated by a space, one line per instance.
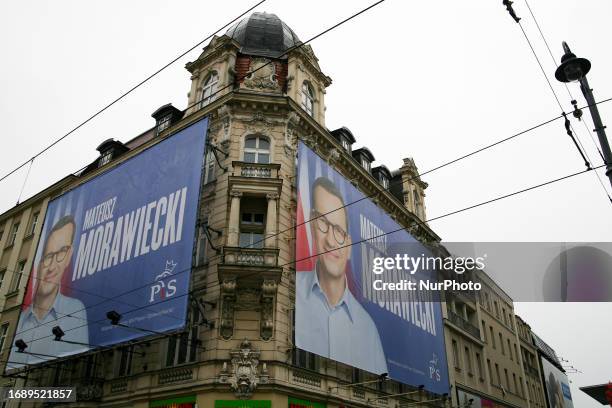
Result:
x=262 y=95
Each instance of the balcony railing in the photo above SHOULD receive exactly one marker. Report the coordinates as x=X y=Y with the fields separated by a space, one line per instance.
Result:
x=257 y=170
x=463 y=324
x=250 y=256
x=170 y=376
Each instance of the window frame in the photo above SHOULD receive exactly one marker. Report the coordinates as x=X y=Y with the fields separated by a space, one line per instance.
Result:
x=13 y=236
x=257 y=150
x=308 y=98
x=188 y=338
x=34 y=222
x=209 y=167
x=210 y=83
x=4 y=329
x=105 y=158
x=18 y=275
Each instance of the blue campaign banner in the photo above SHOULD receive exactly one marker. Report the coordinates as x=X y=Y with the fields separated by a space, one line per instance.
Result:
x=338 y=314
x=121 y=242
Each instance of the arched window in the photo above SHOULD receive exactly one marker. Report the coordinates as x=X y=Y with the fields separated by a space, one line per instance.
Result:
x=307 y=98
x=209 y=89
x=257 y=150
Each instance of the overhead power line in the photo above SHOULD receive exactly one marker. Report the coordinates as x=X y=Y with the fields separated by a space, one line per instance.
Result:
x=361 y=199
x=448 y=214
x=569 y=127
x=138 y=85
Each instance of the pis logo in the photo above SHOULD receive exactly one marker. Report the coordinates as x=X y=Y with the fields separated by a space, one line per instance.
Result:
x=434 y=371
x=162 y=287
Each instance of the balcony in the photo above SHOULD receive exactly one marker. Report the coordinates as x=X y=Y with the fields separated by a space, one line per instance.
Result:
x=255 y=178
x=249 y=263
x=258 y=170
x=463 y=324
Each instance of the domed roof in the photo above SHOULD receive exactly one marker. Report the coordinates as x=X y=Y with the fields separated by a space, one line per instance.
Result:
x=264 y=35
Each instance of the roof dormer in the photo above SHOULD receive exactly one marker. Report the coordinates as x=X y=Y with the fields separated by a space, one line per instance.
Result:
x=165 y=116
x=364 y=157
x=383 y=175
x=345 y=137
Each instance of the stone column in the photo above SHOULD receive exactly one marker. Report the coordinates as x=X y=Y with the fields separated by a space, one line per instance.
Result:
x=233 y=230
x=270 y=232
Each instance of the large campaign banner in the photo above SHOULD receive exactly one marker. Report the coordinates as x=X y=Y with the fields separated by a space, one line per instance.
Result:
x=121 y=242
x=339 y=314
x=557 y=386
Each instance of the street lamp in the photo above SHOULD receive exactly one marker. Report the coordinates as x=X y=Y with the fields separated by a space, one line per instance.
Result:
x=574 y=69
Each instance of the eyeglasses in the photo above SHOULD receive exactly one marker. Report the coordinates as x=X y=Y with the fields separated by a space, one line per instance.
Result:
x=59 y=256
x=323 y=225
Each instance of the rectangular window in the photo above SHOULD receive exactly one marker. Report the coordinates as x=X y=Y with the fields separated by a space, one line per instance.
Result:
x=305 y=359
x=484 y=331
x=490 y=371
x=468 y=360
x=2 y=272
x=497 y=373
x=496 y=309
x=509 y=349
x=384 y=181
x=182 y=347
x=163 y=124
x=202 y=251
x=479 y=366
x=492 y=336
x=522 y=389
x=251 y=240
x=505 y=317
x=13 y=235
x=33 y=223
x=106 y=158
x=456 y=354
x=17 y=277
x=125 y=361
x=365 y=164
x=528 y=389
x=252 y=224
x=346 y=145
x=3 y=333
x=507 y=379
x=209 y=167
x=516 y=390
x=516 y=354
x=501 y=343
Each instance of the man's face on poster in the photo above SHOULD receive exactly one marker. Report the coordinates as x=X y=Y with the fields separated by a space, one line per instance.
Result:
x=330 y=232
x=56 y=257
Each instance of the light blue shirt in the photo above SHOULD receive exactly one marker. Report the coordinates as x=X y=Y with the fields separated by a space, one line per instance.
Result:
x=67 y=313
x=345 y=332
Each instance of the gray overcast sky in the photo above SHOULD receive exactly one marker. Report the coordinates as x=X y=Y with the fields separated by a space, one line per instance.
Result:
x=429 y=80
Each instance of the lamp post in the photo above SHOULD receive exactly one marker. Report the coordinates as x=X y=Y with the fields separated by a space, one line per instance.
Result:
x=574 y=69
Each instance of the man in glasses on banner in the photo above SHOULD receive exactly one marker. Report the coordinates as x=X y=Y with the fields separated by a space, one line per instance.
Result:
x=329 y=320
x=49 y=307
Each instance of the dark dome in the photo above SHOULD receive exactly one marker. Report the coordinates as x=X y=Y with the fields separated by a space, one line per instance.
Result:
x=263 y=34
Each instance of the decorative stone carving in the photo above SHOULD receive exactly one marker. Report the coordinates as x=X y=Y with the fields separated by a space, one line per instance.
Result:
x=262 y=76
x=291 y=133
x=228 y=296
x=244 y=375
x=268 y=291
x=247 y=299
